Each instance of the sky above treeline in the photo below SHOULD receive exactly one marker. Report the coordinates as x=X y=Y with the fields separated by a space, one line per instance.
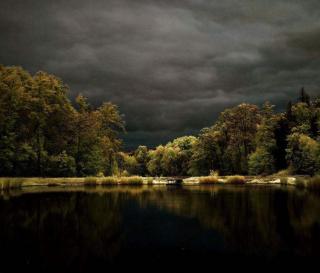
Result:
x=170 y=65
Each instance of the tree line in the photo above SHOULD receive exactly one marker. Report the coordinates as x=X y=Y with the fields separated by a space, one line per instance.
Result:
x=43 y=134
x=245 y=140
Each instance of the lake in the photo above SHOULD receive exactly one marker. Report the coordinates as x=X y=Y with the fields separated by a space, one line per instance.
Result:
x=56 y=229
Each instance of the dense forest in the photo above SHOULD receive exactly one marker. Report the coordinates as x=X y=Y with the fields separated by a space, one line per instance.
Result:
x=43 y=134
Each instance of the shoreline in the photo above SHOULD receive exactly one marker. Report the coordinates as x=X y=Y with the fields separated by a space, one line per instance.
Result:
x=7 y=183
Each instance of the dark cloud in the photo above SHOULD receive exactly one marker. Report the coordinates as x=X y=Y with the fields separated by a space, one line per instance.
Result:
x=171 y=65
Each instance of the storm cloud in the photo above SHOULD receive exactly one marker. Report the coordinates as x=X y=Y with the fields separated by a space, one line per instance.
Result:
x=170 y=65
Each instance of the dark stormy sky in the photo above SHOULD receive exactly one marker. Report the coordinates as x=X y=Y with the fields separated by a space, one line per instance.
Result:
x=171 y=65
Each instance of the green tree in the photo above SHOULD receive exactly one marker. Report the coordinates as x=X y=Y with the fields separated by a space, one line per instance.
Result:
x=238 y=127
x=16 y=86
x=303 y=116
x=303 y=154
x=154 y=164
x=61 y=165
x=110 y=123
x=88 y=155
x=207 y=153
x=128 y=164
x=304 y=97
x=141 y=156
x=52 y=117
x=169 y=161
x=262 y=161
x=179 y=153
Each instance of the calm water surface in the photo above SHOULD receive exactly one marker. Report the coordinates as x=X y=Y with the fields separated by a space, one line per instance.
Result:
x=95 y=229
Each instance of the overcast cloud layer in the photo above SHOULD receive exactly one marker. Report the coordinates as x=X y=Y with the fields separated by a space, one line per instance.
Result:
x=171 y=65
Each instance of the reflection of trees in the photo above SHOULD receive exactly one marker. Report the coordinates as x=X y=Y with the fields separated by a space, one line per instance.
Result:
x=59 y=229
x=253 y=221
x=81 y=229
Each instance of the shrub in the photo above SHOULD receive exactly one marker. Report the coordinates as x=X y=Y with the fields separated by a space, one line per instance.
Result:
x=90 y=181
x=61 y=165
x=236 y=179
x=282 y=173
x=125 y=173
x=208 y=180
x=302 y=154
x=214 y=173
x=100 y=174
x=127 y=164
x=261 y=162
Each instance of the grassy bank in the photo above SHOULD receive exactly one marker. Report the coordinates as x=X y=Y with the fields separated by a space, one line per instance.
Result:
x=15 y=183
x=312 y=183
x=232 y=180
x=104 y=181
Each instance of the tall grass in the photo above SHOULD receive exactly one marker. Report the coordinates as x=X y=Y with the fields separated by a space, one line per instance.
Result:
x=132 y=180
x=90 y=181
x=113 y=180
x=284 y=180
x=13 y=183
x=10 y=183
x=208 y=180
x=236 y=180
x=149 y=180
x=110 y=180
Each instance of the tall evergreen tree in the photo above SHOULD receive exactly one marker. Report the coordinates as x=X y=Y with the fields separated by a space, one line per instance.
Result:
x=304 y=97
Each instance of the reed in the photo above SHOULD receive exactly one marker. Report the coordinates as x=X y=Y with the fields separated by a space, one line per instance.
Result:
x=90 y=181
x=283 y=180
x=10 y=183
x=149 y=181
x=208 y=180
x=236 y=180
x=132 y=180
x=110 y=180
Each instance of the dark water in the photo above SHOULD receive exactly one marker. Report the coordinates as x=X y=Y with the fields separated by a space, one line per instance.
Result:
x=147 y=228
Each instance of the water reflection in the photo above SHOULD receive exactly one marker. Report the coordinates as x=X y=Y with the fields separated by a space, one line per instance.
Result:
x=85 y=229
